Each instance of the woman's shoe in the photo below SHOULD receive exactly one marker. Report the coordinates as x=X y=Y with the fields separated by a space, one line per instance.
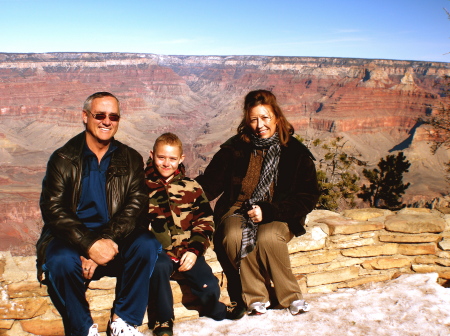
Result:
x=298 y=307
x=258 y=308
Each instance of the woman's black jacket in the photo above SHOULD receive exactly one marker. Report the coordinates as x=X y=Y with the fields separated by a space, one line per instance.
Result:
x=295 y=194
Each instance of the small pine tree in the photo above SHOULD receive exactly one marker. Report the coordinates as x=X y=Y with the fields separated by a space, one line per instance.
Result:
x=386 y=183
x=338 y=184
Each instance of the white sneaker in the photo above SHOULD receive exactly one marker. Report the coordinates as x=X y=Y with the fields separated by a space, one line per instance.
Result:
x=120 y=328
x=93 y=330
x=298 y=307
x=258 y=308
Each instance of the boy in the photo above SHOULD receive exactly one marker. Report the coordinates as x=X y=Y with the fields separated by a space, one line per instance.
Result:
x=181 y=218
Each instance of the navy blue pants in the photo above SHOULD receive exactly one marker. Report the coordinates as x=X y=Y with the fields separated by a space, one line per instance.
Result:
x=201 y=280
x=132 y=266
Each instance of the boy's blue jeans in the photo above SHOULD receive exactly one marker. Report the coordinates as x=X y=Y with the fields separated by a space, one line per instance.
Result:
x=132 y=266
x=201 y=280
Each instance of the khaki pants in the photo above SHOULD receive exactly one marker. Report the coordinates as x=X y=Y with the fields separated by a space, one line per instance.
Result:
x=268 y=261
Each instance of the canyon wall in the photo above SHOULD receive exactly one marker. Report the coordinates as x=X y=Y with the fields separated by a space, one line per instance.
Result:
x=373 y=104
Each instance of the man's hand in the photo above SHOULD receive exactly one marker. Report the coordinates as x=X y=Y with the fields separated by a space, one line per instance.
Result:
x=103 y=251
x=88 y=267
x=187 y=261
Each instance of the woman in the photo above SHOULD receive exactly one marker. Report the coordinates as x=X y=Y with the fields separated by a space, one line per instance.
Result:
x=268 y=184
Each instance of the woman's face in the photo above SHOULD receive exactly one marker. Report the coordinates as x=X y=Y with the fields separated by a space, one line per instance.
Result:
x=263 y=121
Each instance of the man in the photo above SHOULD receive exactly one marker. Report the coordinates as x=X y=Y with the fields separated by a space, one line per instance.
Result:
x=93 y=198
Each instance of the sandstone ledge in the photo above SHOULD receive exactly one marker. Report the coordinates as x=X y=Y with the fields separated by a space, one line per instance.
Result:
x=338 y=251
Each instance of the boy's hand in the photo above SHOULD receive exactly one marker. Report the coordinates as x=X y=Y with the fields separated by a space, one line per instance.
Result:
x=187 y=261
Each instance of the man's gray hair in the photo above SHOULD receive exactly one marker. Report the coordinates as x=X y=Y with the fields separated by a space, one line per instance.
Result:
x=88 y=102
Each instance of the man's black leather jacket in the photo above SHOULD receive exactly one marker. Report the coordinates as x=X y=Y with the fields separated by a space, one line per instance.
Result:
x=126 y=196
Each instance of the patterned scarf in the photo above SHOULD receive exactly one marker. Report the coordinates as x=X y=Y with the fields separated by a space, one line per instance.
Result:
x=268 y=175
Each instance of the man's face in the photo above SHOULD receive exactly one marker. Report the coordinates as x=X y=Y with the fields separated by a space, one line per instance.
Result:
x=101 y=131
x=166 y=159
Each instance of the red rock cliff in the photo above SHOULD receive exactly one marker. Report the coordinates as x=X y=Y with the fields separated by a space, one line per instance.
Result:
x=373 y=103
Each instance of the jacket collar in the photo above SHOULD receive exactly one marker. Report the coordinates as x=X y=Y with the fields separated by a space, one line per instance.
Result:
x=293 y=144
x=73 y=149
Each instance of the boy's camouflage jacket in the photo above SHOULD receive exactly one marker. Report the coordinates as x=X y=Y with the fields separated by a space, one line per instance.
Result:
x=179 y=212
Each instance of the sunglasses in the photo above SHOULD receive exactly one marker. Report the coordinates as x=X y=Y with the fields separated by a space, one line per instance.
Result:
x=102 y=116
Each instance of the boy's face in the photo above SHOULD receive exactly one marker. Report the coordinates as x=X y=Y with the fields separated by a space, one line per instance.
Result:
x=166 y=159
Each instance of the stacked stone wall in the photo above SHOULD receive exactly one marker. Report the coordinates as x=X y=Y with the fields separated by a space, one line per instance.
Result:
x=344 y=250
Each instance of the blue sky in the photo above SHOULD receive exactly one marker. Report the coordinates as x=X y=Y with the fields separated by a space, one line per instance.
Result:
x=388 y=29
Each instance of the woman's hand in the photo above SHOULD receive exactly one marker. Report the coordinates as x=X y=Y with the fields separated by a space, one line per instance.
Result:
x=255 y=214
x=187 y=261
x=88 y=267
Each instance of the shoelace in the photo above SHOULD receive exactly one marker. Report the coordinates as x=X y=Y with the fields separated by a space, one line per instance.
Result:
x=165 y=324
x=123 y=328
x=162 y=325
x=231 y=307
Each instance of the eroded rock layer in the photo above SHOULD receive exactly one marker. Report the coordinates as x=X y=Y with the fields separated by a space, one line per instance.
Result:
x=373 y=104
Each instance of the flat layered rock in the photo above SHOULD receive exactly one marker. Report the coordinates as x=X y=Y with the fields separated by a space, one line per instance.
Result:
x=415 y=223
x=366 y=213
x=339 y=225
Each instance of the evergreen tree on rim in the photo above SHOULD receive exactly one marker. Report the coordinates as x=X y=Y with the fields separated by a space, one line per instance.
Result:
x=386 y=183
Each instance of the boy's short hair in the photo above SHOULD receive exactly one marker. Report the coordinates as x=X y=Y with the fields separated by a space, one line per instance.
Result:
x=170 y=139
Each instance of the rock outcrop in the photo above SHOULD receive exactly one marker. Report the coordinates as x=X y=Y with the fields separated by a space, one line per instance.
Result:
x=344 y=250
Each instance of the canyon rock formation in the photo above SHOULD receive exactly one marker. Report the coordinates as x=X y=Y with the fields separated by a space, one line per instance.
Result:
x=373 y=104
